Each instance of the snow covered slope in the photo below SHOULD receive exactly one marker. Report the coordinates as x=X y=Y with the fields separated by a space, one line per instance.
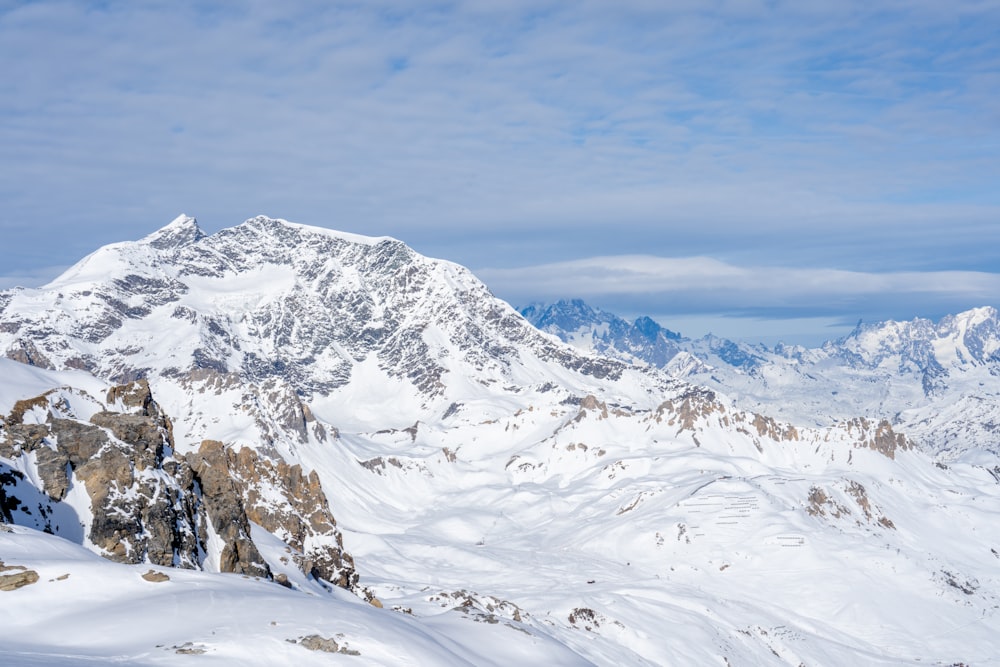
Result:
x=505 y=498
x=79 y=609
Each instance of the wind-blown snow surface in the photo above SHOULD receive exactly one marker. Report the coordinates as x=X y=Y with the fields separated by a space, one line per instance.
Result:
x=85 y=610
x=675 y=553
x=507 y=499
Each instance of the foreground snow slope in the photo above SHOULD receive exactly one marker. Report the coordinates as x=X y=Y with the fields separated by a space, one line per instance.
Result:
x=84 y=610
x=506 y=498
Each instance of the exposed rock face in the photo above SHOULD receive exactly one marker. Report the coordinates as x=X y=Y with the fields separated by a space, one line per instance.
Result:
x=224 y=505
x=318 y=643
x=324 y=644
x=879 y=437
x=823 y=502
x=139 y=495
x=245 y=486
x=26 y=352
x=52 y=471
x=135 y=395
x=304 y=521
x=590 y=402
x=13 y=577
x=152 y=505
x=688 y=408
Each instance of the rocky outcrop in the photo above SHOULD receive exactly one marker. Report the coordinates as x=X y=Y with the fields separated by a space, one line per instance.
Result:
x=824 y=502
x=688 y=408
x=878 y=436
x=52 y=471
x=135 y=396
x=590 y=402
x=304 y=520
x=324 y=644
x=224 y=505
x=139 y=493
x=25 y=352
x=13 y=577
x=244 y=487
x=151 y=505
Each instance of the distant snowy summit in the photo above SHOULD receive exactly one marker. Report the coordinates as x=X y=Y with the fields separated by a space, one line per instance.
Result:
x=970 y=338
x=594 y=330
x=908 y=372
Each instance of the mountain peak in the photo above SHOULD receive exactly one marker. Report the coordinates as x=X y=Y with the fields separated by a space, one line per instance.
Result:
x=596 y=330
x=566 y=315
x=181 y=231
x=977 y=316
x=280 y=226
x=275 y=300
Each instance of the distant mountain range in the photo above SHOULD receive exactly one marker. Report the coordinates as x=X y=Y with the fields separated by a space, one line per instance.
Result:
x=939 y=382
x=263 y=429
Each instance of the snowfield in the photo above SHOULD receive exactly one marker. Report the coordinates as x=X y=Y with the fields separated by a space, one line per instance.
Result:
x=84 y=610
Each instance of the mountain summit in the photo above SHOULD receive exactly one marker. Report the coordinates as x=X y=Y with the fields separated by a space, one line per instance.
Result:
x=182 y=230
x=274 y=299
x=590 y=329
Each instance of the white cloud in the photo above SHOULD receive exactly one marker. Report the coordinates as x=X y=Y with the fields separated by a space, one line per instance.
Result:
x=844 y=134
x=702 y=285
x=636 y=273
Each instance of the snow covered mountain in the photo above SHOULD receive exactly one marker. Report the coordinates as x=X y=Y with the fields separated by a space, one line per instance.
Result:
x=271 y=300
x=935 y=381
x=337 y=413
x=594 y=330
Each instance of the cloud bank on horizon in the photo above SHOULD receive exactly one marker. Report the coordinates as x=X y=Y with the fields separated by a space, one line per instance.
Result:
x=699 y=290
x=768 y=160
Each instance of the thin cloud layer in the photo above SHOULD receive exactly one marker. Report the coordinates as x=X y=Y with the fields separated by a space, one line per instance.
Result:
x=636 y=273
x=702 y=285
x=848 y=134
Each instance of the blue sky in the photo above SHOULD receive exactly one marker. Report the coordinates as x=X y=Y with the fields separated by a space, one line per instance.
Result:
x=759 y=169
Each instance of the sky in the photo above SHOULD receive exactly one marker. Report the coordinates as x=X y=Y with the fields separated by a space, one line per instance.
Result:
x=761 y=170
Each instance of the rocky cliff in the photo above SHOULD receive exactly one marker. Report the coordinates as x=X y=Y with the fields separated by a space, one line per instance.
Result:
x=138 y=500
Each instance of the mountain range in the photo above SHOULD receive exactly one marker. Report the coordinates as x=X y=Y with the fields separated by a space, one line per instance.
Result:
x=279 y=442
x=935 y=381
